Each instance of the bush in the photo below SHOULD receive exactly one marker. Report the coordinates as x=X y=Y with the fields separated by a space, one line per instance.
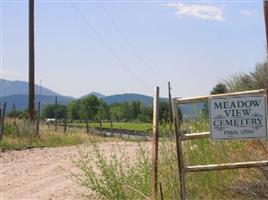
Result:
x=118 y=176
x=114 y=178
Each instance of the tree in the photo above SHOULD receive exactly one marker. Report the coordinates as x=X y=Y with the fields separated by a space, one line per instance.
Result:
x=163 y=112
x=145 y=114
x=73 y=110
x=15 y=114
x=220 y=88
x=115 y=110
x=89 y=107
x=136 y=109
x=103 y=112
x=258 y=79
x=126 y=112
x=49 y=111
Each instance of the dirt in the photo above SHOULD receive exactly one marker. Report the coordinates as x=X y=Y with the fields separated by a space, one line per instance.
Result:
x=44 y=173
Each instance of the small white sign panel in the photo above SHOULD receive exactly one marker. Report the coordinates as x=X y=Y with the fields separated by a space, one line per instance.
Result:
x=241 y=117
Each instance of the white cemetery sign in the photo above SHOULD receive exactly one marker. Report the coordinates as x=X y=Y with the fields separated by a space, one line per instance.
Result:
x=238 y=117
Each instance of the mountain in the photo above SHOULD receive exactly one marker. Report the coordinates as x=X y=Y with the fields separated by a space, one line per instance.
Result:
x=97 y=94
x=21 y=101
x=17 y=92
x=21 y=88
x=121 y=98
x=190 y=111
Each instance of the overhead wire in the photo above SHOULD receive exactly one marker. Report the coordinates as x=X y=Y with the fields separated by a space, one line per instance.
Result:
x=130 y=46
x=109 y=49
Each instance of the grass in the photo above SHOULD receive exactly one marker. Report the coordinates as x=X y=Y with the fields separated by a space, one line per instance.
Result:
x=22 y=135
x=45 y=140
x=143 y=127
x=121 y=177
x=116 y=177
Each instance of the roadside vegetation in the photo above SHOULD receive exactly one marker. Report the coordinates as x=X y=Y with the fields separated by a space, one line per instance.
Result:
x=134 y=126
x=121 y=177
x=21 y=134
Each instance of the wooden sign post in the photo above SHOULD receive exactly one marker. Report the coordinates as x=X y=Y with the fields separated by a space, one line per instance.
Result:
x=155 y=143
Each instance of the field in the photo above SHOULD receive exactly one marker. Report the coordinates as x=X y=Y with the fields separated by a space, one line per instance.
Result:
x=143 y=127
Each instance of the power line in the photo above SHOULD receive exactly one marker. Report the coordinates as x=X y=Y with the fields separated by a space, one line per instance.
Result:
x=105 y=44
x=131 y=47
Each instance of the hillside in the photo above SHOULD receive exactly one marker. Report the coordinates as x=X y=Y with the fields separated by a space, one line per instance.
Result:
x=21 y=101
x=21 y=88
x=97 y=94
x=121 y=98
x=17 y=92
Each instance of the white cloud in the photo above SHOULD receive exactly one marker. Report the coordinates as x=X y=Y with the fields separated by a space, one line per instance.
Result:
x=249 y=13
x=204 y=12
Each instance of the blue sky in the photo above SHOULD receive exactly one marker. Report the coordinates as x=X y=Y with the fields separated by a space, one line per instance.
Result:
x=133 y=46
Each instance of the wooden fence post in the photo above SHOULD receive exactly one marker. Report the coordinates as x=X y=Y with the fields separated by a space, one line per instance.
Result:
x=101 y=126
x=112 y=130
x=14 y=111
x=170 y=107
x=56 y=113
x=3 y=121
x=38 y=119
x=161 y=191
x=176 y=120
x=155 y=143
x=0 y=120
x=87 y=127
x=65 y=125
x=267 y=109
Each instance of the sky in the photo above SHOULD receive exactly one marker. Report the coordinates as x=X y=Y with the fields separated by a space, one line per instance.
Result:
x=115 y=47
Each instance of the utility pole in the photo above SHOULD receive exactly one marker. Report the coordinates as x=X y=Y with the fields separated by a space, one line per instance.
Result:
x=265 y=9
x=31 y=61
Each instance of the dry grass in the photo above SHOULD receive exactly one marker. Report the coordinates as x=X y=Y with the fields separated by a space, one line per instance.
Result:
x=22 y=135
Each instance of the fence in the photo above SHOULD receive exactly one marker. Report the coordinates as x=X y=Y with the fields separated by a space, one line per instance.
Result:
x=112 y=132
x=180 y=137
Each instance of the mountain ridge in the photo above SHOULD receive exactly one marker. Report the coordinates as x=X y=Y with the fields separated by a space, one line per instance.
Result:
x=17 y=87
x=97 y=94
x=48 y=97
x=17 y=92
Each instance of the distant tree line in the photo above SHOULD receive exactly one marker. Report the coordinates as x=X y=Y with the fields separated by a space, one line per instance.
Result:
x=93 y=109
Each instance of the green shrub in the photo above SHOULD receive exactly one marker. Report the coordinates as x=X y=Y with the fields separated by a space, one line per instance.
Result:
x=119 y=177
x=114 y=178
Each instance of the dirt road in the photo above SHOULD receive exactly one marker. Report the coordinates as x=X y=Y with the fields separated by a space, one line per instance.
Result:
x=43 y=173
